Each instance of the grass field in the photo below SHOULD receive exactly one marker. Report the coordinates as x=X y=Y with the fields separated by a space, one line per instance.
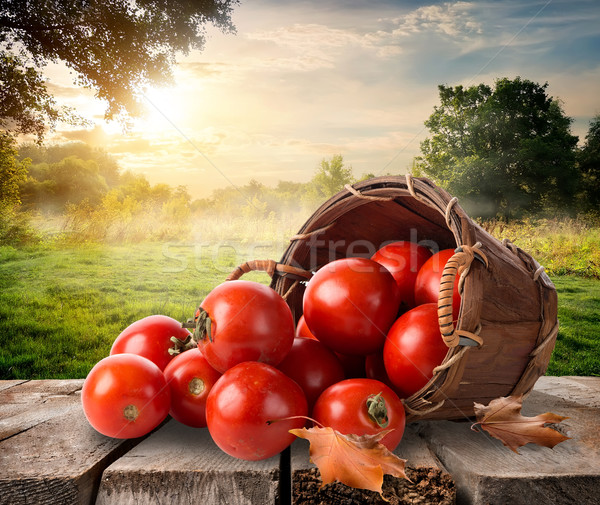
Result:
x=61 y=308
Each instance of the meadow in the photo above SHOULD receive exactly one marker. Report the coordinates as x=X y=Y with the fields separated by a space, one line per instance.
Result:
x=62 y=301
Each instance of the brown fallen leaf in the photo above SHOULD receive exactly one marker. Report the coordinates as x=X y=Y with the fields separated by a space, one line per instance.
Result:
x=357 y=461
x=502 y=419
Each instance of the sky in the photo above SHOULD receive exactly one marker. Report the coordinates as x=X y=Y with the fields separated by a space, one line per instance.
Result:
x=302 y=81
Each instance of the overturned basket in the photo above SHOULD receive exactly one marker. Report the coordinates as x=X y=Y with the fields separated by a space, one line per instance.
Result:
x=507 y=327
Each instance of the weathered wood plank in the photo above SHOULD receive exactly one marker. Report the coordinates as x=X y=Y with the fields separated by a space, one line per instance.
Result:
x=6 y=384
x=430 y=481
x=52 y=455
x=28 y=403
x=182 y=465
x=486 y=472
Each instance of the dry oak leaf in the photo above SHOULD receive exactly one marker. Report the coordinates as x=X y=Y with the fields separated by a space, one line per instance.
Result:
x=502 y=419
x=359 y=461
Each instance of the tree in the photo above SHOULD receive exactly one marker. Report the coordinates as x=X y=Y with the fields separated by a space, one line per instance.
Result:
x=589 y=166
x=12 y=172
x=330 y=178
x=505 y=150
x=116 y=47
x=14 y=226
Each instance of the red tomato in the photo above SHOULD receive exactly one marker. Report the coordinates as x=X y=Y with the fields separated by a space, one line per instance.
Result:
x=190 y=378
x=353 y=365
x=427 y=285
x=375 y=368
x=313 y=367
x=150 y=337
x=125 y=396
x=250 y=322
x=350 y=304
x=403 y=260
x=302 y=330
x=414 y=347
x=345 y=408
x=243 y=400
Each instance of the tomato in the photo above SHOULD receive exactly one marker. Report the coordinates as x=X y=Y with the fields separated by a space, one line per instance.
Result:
x=414 y=347
x=243 y=400
x=345 y=408
x=427 y=285
x=313 y=367
x=250 y=322
x=350 y=304
x=190 y=379
x=150 y=337
x=302 y=330
x=125 y=396
x=375 y=368
x=353 y=365
x=403 y=260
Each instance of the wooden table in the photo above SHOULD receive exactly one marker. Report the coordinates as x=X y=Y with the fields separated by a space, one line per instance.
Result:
x=50 y=454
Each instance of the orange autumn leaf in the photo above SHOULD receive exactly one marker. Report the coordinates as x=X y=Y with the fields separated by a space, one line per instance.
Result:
x=502 y=419
x=357 y=461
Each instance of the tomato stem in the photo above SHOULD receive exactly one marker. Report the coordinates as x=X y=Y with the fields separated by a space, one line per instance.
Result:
x=377 y=410
x=180 y=346
x=201 y=324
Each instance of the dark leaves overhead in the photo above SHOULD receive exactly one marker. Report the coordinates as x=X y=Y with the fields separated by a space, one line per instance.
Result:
x=116 y=47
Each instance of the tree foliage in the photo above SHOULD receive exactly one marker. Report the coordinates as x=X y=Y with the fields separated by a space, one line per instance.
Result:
x=116 y=47
x=589 y=166
x=505 y=150
x=13 y=172
x=330 y=178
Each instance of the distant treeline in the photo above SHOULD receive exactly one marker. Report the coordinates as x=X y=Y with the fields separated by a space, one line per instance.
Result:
x=61 y=178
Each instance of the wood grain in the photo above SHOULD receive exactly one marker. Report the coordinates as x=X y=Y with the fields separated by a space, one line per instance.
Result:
x=178 y=465
x=50 y=453
x=486 y=472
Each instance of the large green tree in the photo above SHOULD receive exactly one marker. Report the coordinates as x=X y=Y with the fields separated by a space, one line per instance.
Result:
x=504 y=150
x=115 y=47
x=589 y=166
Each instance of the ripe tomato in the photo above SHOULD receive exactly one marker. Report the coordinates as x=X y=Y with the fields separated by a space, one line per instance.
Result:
x=375 y=368
x=414 y=347
x=150 y=337
x=125 y=396
x=302 y=330
x=243 y=400
x=190 y=379
x=313 y=367
x=346 y=407
x=250 y=322
x=350 y=304
x=403 y=260
x=427 y=285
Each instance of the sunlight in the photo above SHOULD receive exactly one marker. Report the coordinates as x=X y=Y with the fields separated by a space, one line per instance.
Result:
x=166 y=109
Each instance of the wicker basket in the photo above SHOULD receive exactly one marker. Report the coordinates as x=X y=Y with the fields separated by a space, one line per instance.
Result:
x=507 y=327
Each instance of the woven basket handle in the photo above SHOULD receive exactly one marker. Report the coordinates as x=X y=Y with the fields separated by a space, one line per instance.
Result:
x=271 y=267
x=459 y=263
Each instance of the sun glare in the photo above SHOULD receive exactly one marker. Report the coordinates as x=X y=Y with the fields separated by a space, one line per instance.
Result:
x=166 y=109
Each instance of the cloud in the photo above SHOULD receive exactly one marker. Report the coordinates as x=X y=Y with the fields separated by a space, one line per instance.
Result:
x=96 y=137
x=451 y=19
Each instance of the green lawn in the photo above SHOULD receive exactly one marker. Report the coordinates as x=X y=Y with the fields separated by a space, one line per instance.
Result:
x=60 y=309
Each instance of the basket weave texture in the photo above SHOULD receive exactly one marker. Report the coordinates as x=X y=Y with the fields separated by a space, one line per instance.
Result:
x=510 y=303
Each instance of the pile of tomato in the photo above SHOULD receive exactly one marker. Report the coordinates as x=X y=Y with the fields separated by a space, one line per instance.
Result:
x=368 y=338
